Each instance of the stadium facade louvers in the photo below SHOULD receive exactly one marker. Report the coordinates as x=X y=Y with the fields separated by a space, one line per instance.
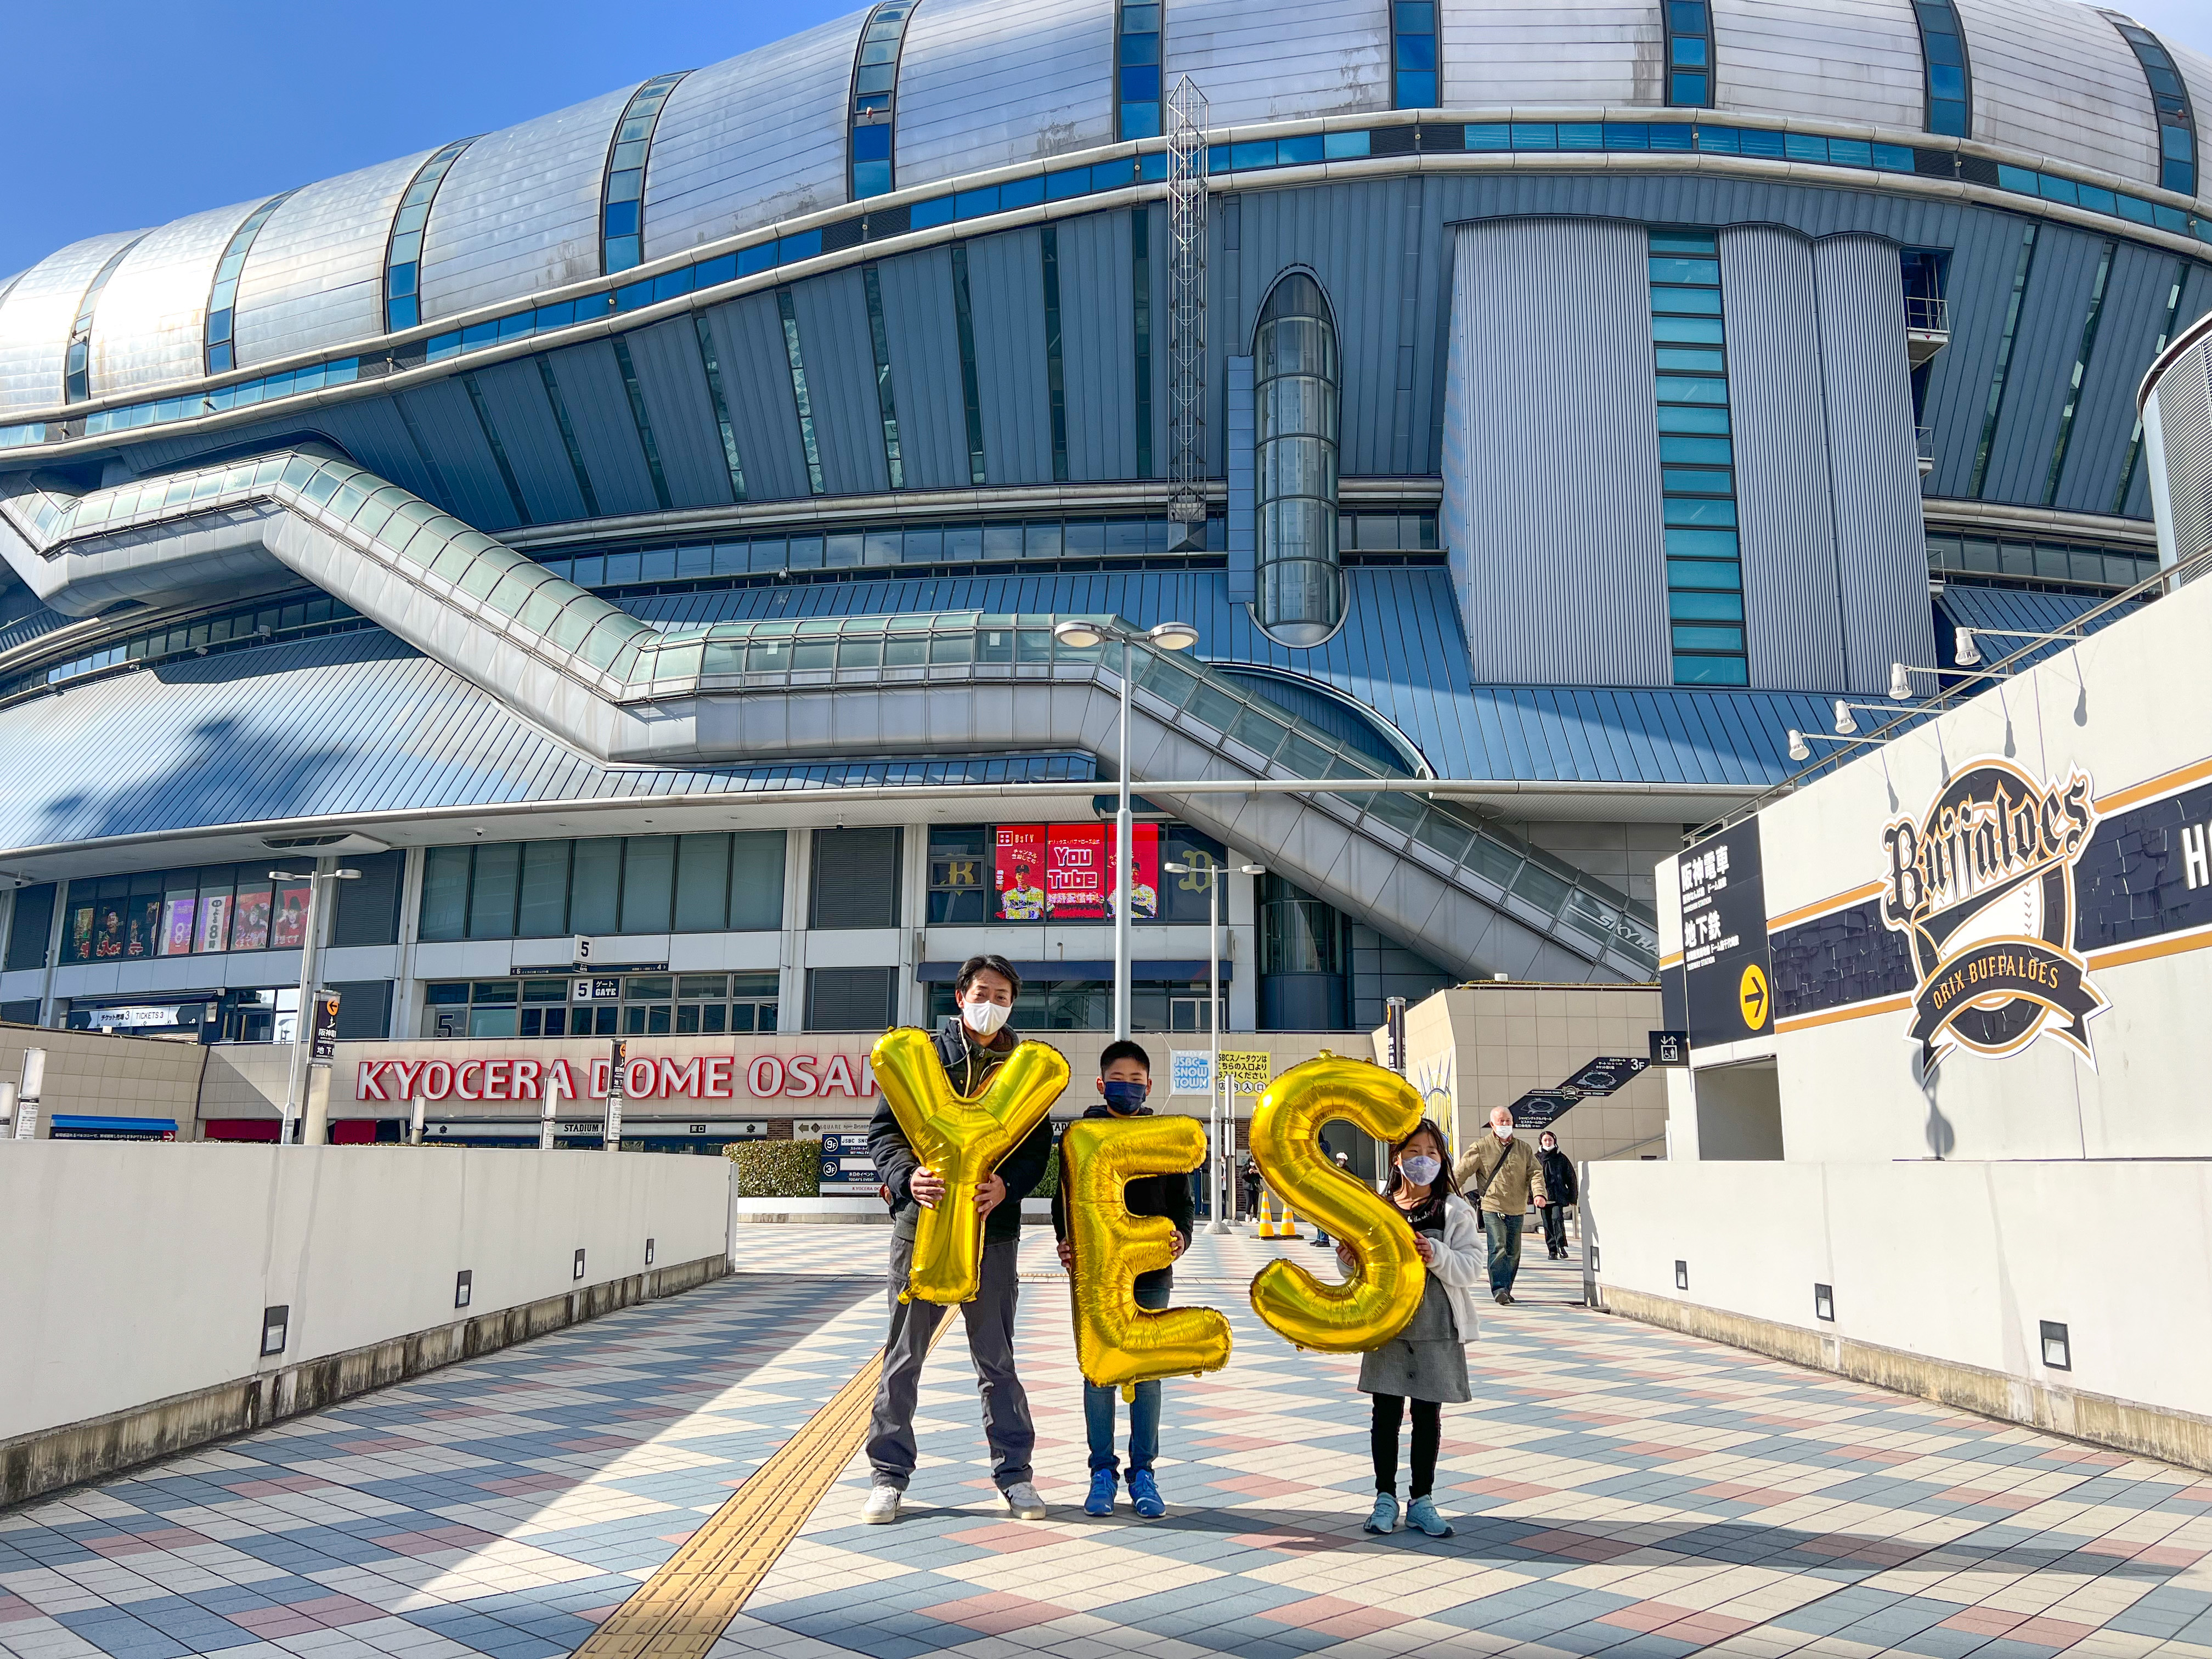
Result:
x=648 y=522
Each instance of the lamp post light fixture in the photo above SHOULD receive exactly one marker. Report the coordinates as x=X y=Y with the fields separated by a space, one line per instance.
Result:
x=1221 y=1114
x=1969 y=655
x=1081 y=634
x=314 y=1130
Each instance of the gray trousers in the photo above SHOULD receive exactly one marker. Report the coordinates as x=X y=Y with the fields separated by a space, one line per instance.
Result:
x=990 y=1316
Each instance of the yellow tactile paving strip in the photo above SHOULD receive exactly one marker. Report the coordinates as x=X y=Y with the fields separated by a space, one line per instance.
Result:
x=681 y=1612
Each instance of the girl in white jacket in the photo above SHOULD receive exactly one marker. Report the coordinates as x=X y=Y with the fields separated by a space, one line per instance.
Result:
x=1426 y=1362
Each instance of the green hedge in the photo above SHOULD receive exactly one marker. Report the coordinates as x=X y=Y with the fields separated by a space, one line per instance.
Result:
x=777 y=1169
x=1048 y=1182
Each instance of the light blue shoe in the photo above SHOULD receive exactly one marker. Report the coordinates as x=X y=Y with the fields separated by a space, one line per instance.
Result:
x=1144 y=1495
x=1384 y=1516
x=1422 y=1513
x=1101 y=1500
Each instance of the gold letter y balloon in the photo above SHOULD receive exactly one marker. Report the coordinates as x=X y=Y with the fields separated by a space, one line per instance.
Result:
x=1377 y=1301
x=961 y=1137
x=1117 y=1344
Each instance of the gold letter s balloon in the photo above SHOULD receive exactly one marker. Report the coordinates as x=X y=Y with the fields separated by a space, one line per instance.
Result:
x=961 y=1137
x=1374 y=1304
x=1116 y=1343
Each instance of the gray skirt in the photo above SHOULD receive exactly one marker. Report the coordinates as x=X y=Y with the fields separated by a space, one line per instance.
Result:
x=1424 y=1361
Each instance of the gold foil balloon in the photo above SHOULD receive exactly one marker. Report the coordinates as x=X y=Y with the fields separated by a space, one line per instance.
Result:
x=1374 y=1304
x=961 y=1137
x=1118 y=1344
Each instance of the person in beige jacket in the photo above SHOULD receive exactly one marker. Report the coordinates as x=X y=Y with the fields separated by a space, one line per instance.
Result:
x=1500 y=1175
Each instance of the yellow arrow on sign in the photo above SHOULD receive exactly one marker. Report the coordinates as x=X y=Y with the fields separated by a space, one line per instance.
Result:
x=1752 y=991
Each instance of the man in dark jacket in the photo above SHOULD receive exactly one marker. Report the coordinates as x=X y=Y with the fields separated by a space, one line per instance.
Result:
x=1560 y=1191
x=1125 y=1077
x=971 y=1045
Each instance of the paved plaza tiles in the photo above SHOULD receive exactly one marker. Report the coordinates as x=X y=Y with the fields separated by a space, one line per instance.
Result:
x=1617 y=1489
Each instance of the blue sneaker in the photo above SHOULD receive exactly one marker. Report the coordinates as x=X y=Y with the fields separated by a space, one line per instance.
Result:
x=1384 y=1517
x=1144 y=1495
x=1422 y=1513
x=1101 y=1500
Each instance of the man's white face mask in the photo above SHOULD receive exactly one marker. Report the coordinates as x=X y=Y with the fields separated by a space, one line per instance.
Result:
x=984 y=1019
x=1503 y=1131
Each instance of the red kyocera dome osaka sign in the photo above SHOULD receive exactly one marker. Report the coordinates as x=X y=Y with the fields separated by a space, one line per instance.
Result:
x=701 y=1077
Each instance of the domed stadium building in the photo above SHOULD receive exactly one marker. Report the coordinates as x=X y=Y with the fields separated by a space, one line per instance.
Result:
x=633 y=540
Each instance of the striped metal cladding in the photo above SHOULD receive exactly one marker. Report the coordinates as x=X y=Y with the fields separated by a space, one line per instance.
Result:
x=917 y=295
x=315 y=277
x=2178 y=437
x=1564 y=571
x=1571 y=55
x=2060 y=283
x=2127 y=335
x=148 y=328
x=973 y=95
x=2055 y=78
x=1005 y=277
x=1808 y=57
x=1787 y=533
x=1295 y=59
x=1881 y=542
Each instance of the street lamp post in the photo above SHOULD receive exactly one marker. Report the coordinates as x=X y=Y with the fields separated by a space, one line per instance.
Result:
x=1221 y=1113
x=1082 y=634
x=313 y=1132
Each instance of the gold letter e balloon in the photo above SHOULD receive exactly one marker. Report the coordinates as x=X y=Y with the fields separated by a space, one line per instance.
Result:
x=1116 y=1343
x=962 y=1137
x=1379 y=1298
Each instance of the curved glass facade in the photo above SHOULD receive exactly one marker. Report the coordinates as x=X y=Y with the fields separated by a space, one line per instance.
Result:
x=622 y=206
x=403 y=253
x=1947 y=72
x=221 y=354
x=871 y=122
x=1294 y=411
x=76 y=367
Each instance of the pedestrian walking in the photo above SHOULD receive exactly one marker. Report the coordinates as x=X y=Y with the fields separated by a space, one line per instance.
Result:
x=1321 y=1234
x=1251 y=1183
x=971 y=1045
x=1425 y=1365
x=1125 y=1077
x=1503 y=1176
x=1560 y=1189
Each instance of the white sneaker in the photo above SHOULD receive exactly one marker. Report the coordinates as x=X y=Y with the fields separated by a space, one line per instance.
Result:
x=882 y=1507
x=1023 y=1500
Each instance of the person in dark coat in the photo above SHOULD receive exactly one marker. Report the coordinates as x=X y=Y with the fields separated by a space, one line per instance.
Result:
x=1560 y=1193
x=1251 y=1188
x=971 y=1046
x=1125 y=1077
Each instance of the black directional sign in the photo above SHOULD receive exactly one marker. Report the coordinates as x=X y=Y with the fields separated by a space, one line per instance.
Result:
x=1728 y=995
x=1602 y=1076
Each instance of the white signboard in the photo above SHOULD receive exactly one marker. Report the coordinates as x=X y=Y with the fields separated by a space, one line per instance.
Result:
x=113 y=1019
x=1190 y=1071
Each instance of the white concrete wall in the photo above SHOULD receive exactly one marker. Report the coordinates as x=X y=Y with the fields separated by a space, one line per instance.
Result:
x=137 y=1271
x=1959 y=1262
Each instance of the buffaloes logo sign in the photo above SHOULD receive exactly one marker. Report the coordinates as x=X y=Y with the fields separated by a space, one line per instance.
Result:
x=1982 y=885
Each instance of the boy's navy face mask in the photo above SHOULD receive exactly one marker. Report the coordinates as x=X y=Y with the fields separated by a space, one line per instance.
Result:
x=1123 y=1096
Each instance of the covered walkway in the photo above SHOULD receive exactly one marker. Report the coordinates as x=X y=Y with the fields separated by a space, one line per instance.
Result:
x=1618 y=1490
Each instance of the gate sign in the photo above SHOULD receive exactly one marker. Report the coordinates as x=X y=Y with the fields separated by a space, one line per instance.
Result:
x=1725 y=964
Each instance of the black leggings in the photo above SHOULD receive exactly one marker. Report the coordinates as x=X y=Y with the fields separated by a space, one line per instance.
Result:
x=1383 y=1437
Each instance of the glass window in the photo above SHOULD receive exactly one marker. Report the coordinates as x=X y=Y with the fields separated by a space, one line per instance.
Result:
x=703 y=883
x=595 y=886
x=648 y=883
x=493 y=889
x=544 y=909
x=249 y=916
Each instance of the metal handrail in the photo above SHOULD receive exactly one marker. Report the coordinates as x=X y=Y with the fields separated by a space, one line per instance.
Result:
x=2152 y=586
x=1926 y=313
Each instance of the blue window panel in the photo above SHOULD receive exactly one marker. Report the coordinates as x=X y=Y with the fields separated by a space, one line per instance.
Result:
x=1680 y=419
x=1140 y=83
x=1066 y=183
x=1417 y=89
x=1715 y=607
x=1717 y=544
x=1416 y=51
x=218 y=324
x=1850 y=153
x=1890 y=158
x=1693 y=360
x=1711 y=671
x=560 y=316
x=1141 y=120
x=925 y=215
x=1704 y=242
x=805 y=246
x=219 y=358
x=1345 y=146
x=1021 y=193
x=1768 y=146
x=870 y=178
x=1489 y=135
x=1685 y=301
x=2179 y=177
x=2019 y=179
x=1678 y=268
x=1689 y=52
x=1685 y=90
x=626 y=185
x=1667 y=135
x=1947 y=116
x=1536 y=135
x=400 y=280
x=1114 y=175
x=2175 y=144
x=674 y=284
x=1696 y=481
x=1581 y=135
x=2173 y=219
x=519 y=326
x=1141 y=49
x=1216 y=158
x=1297 y=152
x=1619 y=134
x=972 y=204
x=709 y=273
x=1255 y=153
x=631 y=297
x=872 y=142
x=1711 y=575
x=1699 y=512
x=2057 y=190
x=1695 y=636
x=1946 y=80
x=441 y=346
x=1716 y=141
x=477 y=336
x=2103 y=201
x=403 y=314
x=622 y=218
x=1686 y=331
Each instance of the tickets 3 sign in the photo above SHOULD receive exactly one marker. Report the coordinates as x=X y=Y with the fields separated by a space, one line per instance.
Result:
x=1981 y=885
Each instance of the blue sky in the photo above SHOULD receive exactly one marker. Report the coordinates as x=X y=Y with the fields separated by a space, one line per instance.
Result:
x=148 y=110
